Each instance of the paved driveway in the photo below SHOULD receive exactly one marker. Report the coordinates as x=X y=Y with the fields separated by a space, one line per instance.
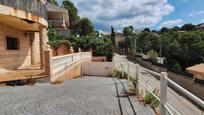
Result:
x=82 y=96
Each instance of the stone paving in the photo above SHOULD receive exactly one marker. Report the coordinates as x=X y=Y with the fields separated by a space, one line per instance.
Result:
x=82 y=96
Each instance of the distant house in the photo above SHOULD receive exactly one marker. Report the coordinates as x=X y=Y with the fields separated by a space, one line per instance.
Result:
x=58 y=17
x=23 y=33
x=197 y=71
x=200 y=27
x=119 y=37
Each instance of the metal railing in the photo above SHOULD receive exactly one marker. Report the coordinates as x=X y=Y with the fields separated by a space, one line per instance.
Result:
x=32 y=6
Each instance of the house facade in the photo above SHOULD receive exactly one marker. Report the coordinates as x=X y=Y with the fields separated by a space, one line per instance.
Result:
x=119 y=37
x=200 y=27
x=23 y=33
x=58 y=17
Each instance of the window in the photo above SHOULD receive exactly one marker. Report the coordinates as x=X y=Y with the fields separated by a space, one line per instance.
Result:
x=12 y=43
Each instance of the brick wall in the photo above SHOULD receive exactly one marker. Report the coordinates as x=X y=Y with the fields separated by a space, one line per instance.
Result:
x=14 y=59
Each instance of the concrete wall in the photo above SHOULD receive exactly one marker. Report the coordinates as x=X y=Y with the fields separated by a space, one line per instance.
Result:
x=99 y=59
x=151 y=66
x=98 y=68
x=73 y=72
x=14 y=59
x=188 y=84
x=65 y=66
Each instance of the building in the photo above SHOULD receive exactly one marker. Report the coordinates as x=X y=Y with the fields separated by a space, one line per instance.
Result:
x=200 y=27
x=119 y=37
x=58 y=17
x=197 y=71
x=23 y=33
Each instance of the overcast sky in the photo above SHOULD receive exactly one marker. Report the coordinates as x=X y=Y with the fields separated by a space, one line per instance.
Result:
x=140 y=13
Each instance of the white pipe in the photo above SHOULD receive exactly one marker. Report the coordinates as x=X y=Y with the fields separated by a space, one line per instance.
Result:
x=189 y=94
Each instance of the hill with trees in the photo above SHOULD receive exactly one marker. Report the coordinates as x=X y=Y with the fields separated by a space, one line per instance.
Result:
x=182 y=47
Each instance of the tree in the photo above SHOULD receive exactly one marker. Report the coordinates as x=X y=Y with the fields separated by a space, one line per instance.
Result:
x=85 y=27
x=188 y=27
x=73 y=14
x=146 y=30
x=164 y=29
x=176 y=28
x=53 y=2
x=128 y=31
x=113 y=35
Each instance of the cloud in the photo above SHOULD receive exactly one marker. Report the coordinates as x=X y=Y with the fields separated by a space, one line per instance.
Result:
x=202 y=21
x=120 y=13
x=195 y=13
x=172 y=23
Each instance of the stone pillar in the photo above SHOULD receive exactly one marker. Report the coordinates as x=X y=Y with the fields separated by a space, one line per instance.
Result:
x=71 y=52
x=48 y=61
x=163 y=93
x=79 y=50
x=33 y=48
x=43 y=42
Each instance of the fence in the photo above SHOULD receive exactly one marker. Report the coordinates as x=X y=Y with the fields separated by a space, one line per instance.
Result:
x=32 y=6
x=182 y=78
x=57 y=66
x=165 y=107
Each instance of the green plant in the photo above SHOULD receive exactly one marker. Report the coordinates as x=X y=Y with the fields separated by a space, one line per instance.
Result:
x=177 y=66
x=149 y=98
x=57 y=43
x=119 y=74
x=135 y=80
x=152 y=54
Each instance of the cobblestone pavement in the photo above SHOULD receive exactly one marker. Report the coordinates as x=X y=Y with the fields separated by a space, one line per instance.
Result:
x=82 y=96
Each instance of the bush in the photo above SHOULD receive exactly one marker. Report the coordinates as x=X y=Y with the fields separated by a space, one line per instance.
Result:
x=177 y=67
x=152 y=54
x=120 y=75
x=151 y=99
x=135 y=80
x=57 y=43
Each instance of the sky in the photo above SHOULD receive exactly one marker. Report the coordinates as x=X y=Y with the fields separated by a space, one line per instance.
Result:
x=154 y=14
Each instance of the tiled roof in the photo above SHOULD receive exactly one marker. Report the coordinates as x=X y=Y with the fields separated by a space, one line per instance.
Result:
x=197 y=69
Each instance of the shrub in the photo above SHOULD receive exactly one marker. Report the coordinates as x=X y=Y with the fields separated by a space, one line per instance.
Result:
x=135 y=80
x=177 y=66
x=151 y=99
x=152 y=54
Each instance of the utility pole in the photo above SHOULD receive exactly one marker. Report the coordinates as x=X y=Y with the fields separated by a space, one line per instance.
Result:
x=160 y=52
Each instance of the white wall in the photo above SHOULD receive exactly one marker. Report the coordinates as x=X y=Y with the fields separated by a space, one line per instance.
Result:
x=98 y=68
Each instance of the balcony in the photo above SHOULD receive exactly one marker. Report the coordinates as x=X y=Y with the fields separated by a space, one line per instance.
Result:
x=32 y=6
